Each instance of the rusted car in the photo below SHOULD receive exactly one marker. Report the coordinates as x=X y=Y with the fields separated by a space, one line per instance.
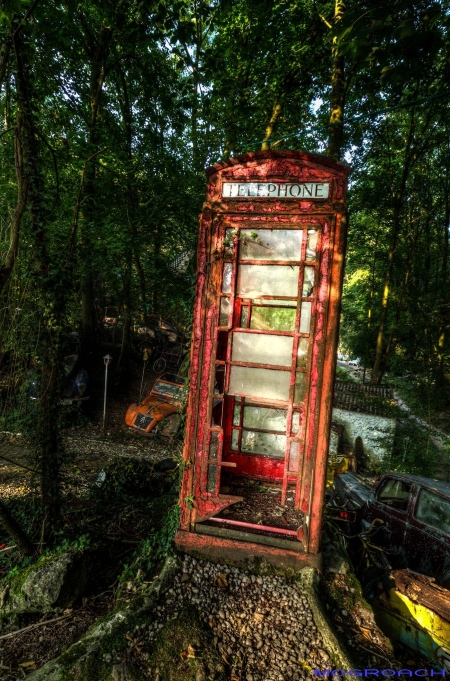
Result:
x=412 y=519
x=161 y=410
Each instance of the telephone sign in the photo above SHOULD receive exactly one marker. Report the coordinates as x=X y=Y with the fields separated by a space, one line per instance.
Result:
x=266 y=316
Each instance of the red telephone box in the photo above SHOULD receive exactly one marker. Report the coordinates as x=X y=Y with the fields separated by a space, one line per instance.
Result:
x=270 y=267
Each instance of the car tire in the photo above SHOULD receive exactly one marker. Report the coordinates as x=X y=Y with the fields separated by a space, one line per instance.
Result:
x=159 y=365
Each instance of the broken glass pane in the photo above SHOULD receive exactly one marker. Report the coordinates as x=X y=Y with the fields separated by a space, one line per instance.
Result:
x=237 y=416
x=265 y=418
x=228 y=243
x=234 y=439
x=268 y=384
x=302 y=353
x=305 y=317
x=273 y=318
x=224 y=311
x=212 y=477
x=262 y=349
x=244 y=316
x=268 y=444
x=300 y=387
x=226 y=280
x=311 y=244
x=308 y=282
x=214 y=445
x=295 y=422
x=294 y=457
x=270 y=244
x=255 y=281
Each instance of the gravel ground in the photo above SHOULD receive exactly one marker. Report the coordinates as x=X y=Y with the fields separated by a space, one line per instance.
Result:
x=263 y=626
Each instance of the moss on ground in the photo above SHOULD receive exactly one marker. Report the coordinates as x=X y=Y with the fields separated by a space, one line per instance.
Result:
x=185 y=650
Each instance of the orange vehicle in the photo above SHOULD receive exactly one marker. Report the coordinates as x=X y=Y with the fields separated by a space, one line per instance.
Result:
x=160 y=410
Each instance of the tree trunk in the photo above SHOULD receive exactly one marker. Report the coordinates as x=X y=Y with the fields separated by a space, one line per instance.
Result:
x=337 y=101
x=21 y=205
x=398 y=205
x=53 y=297
x=16 y=533
x=98 y=53
x=271 y=126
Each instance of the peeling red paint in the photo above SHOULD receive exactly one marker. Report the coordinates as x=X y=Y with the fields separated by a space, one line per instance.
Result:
x=200 y=496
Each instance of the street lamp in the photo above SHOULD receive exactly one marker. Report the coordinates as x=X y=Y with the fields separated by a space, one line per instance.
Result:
x=107 y=360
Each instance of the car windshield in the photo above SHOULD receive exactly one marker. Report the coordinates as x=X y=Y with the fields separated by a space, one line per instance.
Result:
x=173 y=378
x=434 y=510
x=395 y=493
x=166 y=389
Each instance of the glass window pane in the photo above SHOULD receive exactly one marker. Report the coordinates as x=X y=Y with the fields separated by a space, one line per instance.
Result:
x=212 y=477
x=234 y=439
x=434 y=510
x=295 y=422
x=311 y=244
x=214 y=445
x=265 y=419
x=294 y=457
x=308 y=282
x=228 y=243
x=224 y=311
x=300 y=387
x=395 y=493
x=244 y=316
x=270 y=244
x=226 y=280
x=262 y=349
x=255 y=281
x=273 y=318
x=279 y=303
x=305 y=317
x=302 y=353
x=267 y=384
x=237 y=416
x=268 y=444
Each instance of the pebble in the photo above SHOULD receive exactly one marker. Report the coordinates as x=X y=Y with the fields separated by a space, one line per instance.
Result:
x=260 y=631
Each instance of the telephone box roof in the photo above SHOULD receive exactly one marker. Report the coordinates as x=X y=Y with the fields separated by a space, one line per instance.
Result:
x=304 y=156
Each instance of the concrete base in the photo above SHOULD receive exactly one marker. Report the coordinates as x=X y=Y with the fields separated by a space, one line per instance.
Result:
x=244 y=554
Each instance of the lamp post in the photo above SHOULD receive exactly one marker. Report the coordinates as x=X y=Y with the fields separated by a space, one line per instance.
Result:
x=107 y=360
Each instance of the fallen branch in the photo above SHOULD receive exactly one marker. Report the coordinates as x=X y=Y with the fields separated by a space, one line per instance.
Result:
x=35 y=625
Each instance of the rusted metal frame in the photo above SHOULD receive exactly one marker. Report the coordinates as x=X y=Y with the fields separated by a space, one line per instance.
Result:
x=262 y=332
x=288 y=263
x=206 y=389
x=253 y=526
x=334 y=305
x=307 y=501
x=259 y=430
x=257 y=365
x=247 y=301
x=293 y=369
x=189 y=449
x=309 y=362
x=232 y=311
x=219 y=236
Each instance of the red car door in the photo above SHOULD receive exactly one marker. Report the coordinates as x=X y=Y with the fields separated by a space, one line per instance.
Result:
x=390 y=503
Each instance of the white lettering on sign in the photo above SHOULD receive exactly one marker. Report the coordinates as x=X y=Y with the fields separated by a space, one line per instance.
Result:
x=275 y=190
